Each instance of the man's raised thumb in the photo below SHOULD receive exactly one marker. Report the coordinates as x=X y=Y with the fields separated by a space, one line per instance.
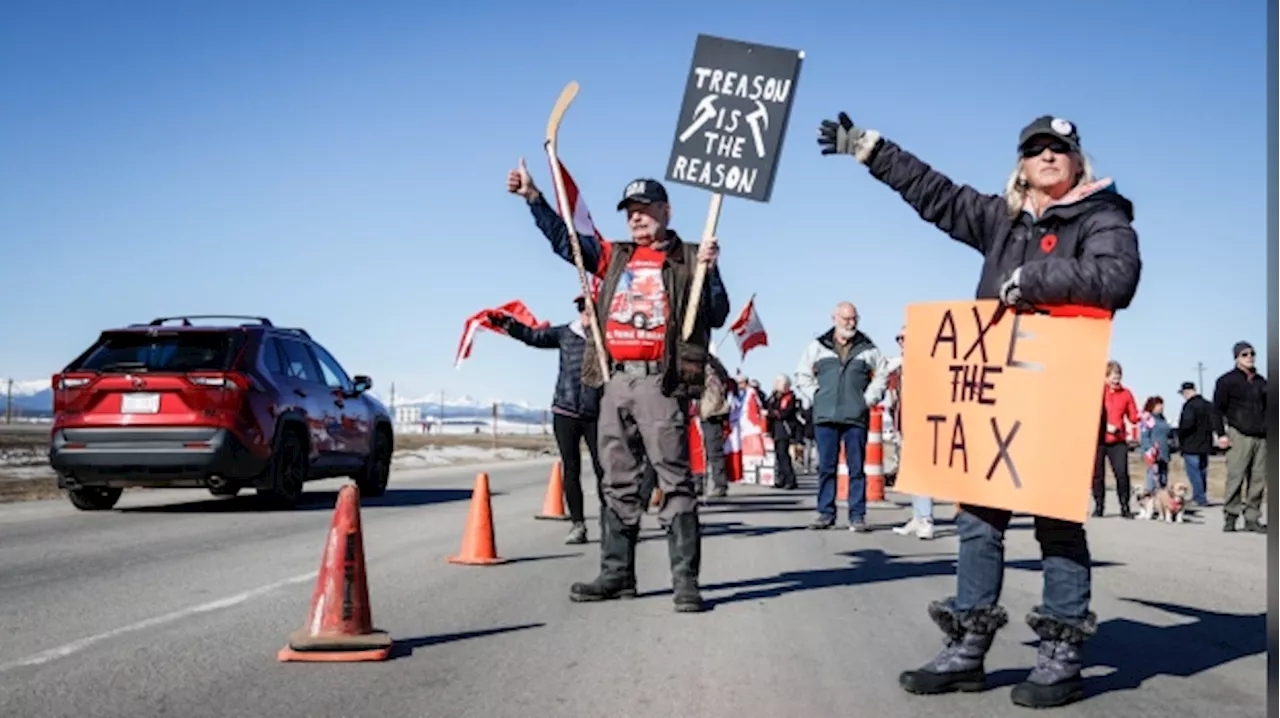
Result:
x=522 y=166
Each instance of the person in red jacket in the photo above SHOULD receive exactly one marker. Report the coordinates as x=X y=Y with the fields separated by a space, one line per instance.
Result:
x=1118 y=406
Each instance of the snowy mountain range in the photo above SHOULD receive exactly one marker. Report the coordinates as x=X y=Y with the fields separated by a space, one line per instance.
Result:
x=35 y=399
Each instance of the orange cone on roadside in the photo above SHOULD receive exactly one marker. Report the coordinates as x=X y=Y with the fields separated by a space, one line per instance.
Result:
x=478 y=545
x=874 y=465
x=340 y=626
x=657 y=497
x=553 y=503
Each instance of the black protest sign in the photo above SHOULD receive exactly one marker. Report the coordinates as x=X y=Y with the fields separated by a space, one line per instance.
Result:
x=737 y=100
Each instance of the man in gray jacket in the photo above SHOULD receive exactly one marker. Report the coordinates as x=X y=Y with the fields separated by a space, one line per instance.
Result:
x=841 y=375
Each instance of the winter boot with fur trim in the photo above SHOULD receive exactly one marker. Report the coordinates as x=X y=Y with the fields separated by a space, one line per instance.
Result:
x=1056 y=679
x=959 y=667
x=617 y=563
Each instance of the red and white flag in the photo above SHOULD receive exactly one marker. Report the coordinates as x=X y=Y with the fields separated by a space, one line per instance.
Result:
x=582 y=222
x=480 y=320
x=747 y=330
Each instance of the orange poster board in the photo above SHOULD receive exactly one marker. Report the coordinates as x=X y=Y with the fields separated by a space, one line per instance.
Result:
x=1002 y=409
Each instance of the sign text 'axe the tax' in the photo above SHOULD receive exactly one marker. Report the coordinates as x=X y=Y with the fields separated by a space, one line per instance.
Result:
x=737 y=100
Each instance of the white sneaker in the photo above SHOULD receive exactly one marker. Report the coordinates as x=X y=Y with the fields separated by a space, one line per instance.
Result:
x=924 y=529
x=908 y=528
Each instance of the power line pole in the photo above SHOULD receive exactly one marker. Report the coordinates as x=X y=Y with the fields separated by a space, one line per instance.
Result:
x=1200 y=371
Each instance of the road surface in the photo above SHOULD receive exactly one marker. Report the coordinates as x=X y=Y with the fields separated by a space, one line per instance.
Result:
x=176 y=604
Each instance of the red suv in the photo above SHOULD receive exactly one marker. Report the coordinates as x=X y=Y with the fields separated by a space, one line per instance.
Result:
x=220 y=407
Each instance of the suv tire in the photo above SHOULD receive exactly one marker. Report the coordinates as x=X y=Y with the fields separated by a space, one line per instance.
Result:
x=372 y=482
x=94 y=498
x=287 y=471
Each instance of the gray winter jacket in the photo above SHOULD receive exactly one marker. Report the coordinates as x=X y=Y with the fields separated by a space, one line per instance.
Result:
x=841 y=392
x=1080 y=251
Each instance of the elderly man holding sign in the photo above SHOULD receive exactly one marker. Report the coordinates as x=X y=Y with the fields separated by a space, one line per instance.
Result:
x=654 y=372
x=1055 y=237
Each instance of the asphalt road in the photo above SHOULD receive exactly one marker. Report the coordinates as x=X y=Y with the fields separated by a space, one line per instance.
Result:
x=176 y=604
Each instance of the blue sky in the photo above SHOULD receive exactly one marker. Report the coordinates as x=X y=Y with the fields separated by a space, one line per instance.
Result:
x=341 y=168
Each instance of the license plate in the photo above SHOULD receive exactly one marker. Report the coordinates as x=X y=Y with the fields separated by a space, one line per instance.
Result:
x=140 y=403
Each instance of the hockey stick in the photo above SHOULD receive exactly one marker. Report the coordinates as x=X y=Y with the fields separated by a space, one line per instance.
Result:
x=567 y=96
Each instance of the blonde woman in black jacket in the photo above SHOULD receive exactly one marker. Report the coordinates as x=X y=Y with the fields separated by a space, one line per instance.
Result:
x=1055 y=236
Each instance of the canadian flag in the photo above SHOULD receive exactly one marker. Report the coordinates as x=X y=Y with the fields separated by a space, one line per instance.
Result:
x=747 y=330
x=577 y=209
x=480 y=320
x=744 y=446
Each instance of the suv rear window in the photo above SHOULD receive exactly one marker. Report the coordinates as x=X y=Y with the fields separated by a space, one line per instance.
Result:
x=163 y=351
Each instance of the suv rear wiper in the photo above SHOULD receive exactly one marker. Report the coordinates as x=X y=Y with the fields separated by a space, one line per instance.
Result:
x=124 y=366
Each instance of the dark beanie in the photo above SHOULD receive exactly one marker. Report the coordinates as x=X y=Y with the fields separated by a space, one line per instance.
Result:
x=1240 y=347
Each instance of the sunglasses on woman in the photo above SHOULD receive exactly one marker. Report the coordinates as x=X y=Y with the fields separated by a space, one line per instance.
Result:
x=1035 y=148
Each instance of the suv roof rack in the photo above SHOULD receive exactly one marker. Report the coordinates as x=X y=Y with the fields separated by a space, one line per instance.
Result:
x=287 y=330
x=186 y=320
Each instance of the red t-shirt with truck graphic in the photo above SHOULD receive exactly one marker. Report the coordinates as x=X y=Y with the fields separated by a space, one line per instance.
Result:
x=635 y=327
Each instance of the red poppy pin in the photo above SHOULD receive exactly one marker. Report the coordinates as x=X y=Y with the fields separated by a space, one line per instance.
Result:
x=1048 y=242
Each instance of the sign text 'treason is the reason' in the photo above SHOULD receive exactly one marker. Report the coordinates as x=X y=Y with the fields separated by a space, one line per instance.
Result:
x=737 y=100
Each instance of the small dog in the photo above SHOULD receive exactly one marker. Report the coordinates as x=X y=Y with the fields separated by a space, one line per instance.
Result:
x=1165 y=503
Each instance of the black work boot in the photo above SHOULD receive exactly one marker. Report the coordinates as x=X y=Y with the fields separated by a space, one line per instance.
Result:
x=959 y=667
x=684 y=543
x=617 y=562
x=1056 y=679
x=1229 y=522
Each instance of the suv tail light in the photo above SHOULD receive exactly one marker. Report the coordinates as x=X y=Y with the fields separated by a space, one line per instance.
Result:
x=68 y=388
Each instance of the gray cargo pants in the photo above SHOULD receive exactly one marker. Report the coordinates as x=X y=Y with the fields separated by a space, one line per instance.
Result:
x=637 y=421
x=1246 y=475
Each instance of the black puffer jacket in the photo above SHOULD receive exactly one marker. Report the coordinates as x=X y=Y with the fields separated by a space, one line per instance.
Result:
x=571 y=395
x=1082 y=251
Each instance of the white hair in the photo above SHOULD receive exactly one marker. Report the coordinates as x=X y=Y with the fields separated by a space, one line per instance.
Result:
x=1015 y=188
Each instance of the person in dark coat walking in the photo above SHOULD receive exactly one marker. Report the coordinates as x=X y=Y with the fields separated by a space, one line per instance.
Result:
x=574 y=407
x=1195 y=437
x=1055 y=236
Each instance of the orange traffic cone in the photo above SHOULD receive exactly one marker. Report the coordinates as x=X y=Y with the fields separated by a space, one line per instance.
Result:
x=657 y=497
x=478 y=545
x=339 y=626
x=874 y=465
x=553 y=503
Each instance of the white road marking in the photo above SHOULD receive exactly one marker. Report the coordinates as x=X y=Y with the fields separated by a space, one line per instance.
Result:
x=75 y=646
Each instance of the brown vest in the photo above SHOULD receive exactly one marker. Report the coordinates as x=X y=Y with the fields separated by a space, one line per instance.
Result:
x=685 y=361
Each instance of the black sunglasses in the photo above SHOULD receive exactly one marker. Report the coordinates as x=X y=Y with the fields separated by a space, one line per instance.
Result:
x=1034 y=149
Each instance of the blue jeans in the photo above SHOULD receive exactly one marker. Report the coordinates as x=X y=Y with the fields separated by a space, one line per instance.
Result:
x=922 y=507
x=1158 y=475
x=1065 y=562
x=828 y=438
x=1197 y=466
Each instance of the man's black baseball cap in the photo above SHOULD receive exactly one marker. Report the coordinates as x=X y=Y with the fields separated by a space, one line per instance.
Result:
x=644 y=191
x=1050 y=126
x=1188 y=386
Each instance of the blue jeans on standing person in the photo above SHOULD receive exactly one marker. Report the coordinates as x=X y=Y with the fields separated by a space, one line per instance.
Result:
x=1197 y=466
x=1157 y=475
x=1065 y=563
x=829 y=438
x=922 y=507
